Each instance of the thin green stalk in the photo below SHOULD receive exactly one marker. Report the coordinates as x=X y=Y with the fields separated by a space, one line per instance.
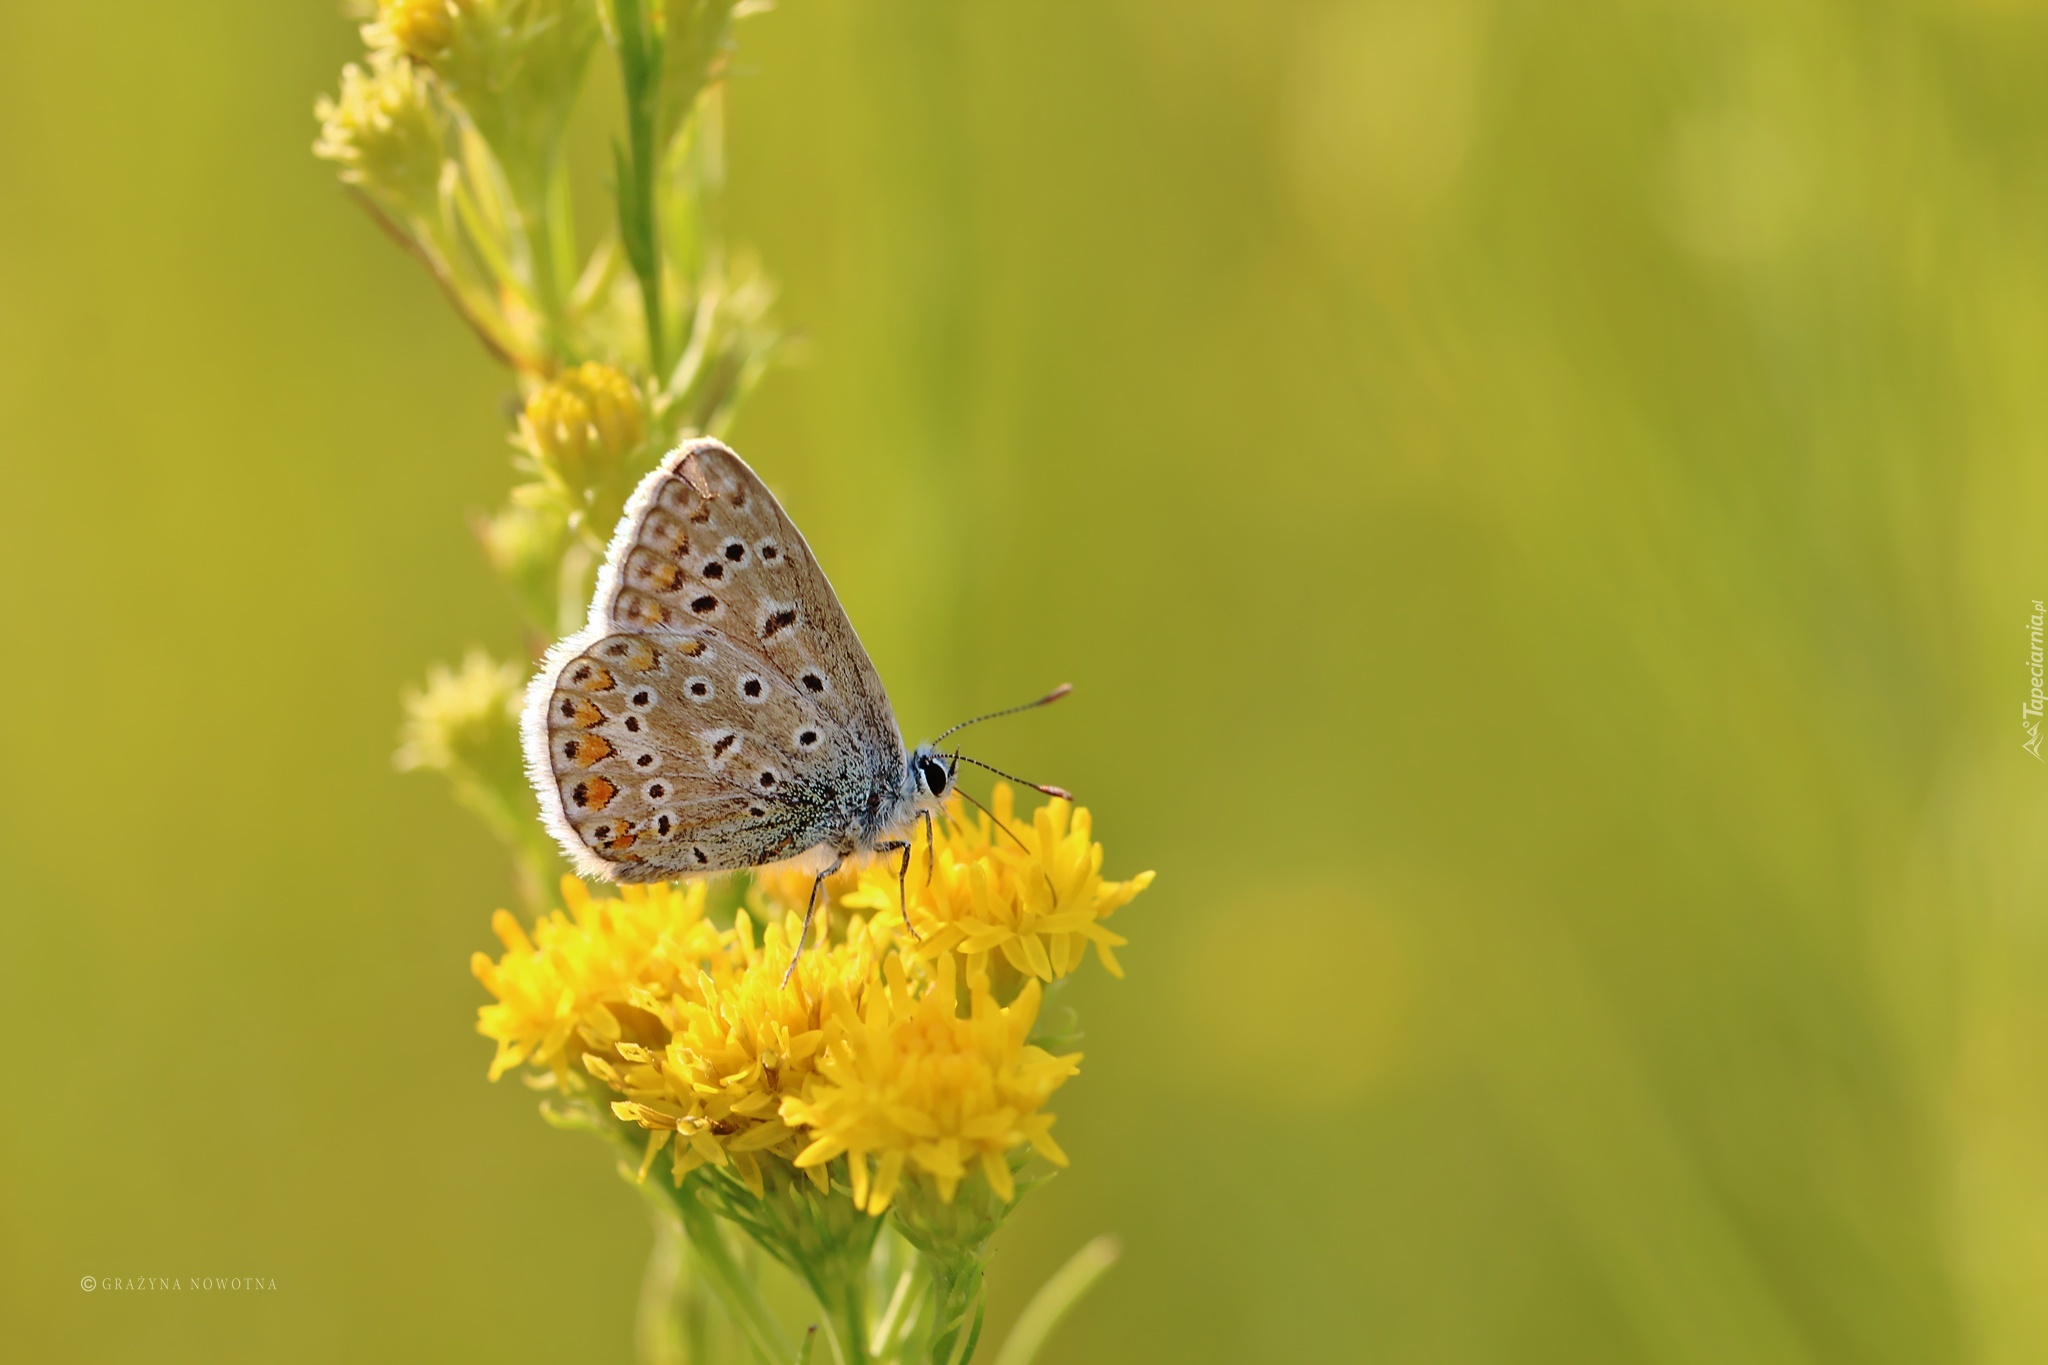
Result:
x=547 y=288
x=956 y=1308
x=735 y=1287
x=659 y=1329
x=845 y=1305
x=532 y=190
x=561 y=244
x=635 y=165
x=883 y=1341
x=1058 y=1294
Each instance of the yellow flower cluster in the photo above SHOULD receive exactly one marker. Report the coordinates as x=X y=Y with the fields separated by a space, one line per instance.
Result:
x=512 y=65
x=1032 y=892
x=582 y=422
x=864 y=1058
x=584 y=980
x=909 y=1080
x=420 y=28
x=464 y=718
x=584 y=430
x=386 y=133
x=740 y=1043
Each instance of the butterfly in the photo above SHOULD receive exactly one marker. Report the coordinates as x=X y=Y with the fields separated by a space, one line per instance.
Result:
x=717 y=711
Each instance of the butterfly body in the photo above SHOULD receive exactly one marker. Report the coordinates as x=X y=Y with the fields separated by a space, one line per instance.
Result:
x=717 y=711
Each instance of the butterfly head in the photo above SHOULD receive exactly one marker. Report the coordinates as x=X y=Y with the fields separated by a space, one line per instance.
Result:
x=932 y=772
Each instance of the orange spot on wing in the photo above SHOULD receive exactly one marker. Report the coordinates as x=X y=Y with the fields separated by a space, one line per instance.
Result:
x=642 y=610
x=632 y=653
x=592 y=793
x=590 y=677
x=590 y=749
x=623 y=840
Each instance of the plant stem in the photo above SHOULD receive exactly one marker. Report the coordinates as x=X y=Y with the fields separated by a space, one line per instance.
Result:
x=741 y=1295
x=640 y=53
x=845 y=1305
x=659 y=1333
x=1054 y=1298
x=956 y=1308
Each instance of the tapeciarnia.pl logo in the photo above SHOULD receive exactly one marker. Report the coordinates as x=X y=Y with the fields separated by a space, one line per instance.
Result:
x=2030 y=714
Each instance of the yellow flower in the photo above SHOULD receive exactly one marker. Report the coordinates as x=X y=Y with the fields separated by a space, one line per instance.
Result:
x=1035 y=894
x=386 y=133
x=465 y=723
x=465 y=718
x=910 y=1083
x=864 y=1053
x=419 y=28
x=583 y=429
x=739 y=1043
x=514 y=67
x=592 y=978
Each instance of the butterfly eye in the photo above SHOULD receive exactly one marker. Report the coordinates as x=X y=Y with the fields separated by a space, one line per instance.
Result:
x=934 y=774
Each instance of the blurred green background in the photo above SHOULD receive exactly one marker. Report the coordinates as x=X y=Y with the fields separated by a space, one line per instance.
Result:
x=1541 y=505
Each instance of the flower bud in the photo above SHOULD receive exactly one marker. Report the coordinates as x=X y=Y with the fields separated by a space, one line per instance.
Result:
x=466 y=722
x=386 y=133
x=583 y=429
x=420 y=29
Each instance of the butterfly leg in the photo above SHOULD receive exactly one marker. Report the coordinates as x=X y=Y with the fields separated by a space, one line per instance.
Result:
x=902 y=874
x=810 y=909
x=931 y=849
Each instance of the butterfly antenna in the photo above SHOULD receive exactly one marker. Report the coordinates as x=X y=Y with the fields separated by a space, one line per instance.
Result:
x=1046 y=700
x=998 y=822
x=996 y=818
x=1061 y=792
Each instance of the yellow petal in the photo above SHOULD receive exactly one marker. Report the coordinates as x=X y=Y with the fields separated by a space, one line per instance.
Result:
x=996 y=1168
x=506 y=927
x=857 y=1166
x=758 y=1138
x=656 y=1140
x=820 y=1152
x=888 y=1174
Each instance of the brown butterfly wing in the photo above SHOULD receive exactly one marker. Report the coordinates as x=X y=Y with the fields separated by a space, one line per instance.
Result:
x=718 y=711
